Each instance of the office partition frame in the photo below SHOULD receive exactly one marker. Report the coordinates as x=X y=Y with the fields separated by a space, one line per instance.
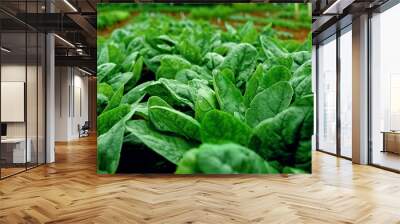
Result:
x=337 y=34
x=43 y=55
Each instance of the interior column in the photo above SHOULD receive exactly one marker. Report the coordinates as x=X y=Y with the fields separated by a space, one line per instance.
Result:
x=360 y=90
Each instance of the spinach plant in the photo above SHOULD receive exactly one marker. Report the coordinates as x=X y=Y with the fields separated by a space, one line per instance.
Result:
x=201 y=98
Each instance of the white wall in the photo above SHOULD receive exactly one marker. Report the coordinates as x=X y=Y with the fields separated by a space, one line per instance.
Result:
x=13 y=101
x=62 y=81
x=69 y=82
x=12 y=73
x=33 y=127
x=79 y=117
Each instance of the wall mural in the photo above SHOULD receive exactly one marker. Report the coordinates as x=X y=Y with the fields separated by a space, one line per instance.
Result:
x=204 y=89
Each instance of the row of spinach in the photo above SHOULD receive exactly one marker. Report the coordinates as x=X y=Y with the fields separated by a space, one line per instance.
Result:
x=186 y=96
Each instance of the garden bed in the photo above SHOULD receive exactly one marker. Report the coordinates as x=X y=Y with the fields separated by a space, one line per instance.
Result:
x=188 y=92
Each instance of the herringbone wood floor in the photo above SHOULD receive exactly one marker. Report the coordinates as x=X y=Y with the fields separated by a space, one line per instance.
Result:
x=69 y=191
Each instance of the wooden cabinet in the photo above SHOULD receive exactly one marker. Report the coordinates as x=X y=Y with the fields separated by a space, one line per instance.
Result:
x=391 y=142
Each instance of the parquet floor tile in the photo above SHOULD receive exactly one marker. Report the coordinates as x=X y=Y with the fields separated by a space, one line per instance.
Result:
x=70 y=191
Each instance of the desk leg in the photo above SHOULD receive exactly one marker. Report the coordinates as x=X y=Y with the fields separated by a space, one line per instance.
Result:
x=384 y=142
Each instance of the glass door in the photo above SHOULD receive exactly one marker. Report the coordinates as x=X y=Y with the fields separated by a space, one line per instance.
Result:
x=326 y=84
x=346 y=92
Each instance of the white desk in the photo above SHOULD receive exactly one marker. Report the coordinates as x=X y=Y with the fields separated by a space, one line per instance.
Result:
x=18 y=145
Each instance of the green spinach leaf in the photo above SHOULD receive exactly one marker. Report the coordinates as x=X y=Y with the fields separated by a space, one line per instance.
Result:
x=242 y=61
x=170 y=120
x=220 y=127
x=269 y=103
x=229 y=97
x=169 y=146
x=170 y=66
x=226 y=158
x=275 y=74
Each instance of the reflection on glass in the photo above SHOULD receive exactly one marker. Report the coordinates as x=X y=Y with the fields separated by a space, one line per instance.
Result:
x=385 y=84
x=327 y=96
x=15 y=151
x=41 y=99
x=346 y=94
x=31 y=99
x=22 y=90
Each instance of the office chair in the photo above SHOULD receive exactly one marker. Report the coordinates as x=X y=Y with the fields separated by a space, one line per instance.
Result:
x=84 y=130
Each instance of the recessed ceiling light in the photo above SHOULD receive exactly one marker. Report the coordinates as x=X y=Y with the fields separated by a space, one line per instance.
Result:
x=337 y=7
x=70 y=5
x=84 y=71
x=5 y=50
x=64 y=40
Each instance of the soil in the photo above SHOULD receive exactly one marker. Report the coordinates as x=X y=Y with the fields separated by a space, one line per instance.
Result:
x=107 y=31
x=299 y=35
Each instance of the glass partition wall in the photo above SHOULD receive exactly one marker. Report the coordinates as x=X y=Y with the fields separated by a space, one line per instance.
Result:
x=334 y=90
x=345 y=90
x=385 y=89
x=13 y=90
x=327 y=95
x=22 y=77
x=334 y=93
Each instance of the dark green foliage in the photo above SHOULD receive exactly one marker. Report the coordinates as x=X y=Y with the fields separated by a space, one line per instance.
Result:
x=276 y=73
x=192 y=97
x=241 y=59
x=170 y=147
x=107 y=119
x=205 y=102
x=109 y=145
x=218 y=127
x=226 y=158
x=170 y=120
x=109 y=148
x=170 y=65
x=229 y=97
x=269 y=103
x=106 y=19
